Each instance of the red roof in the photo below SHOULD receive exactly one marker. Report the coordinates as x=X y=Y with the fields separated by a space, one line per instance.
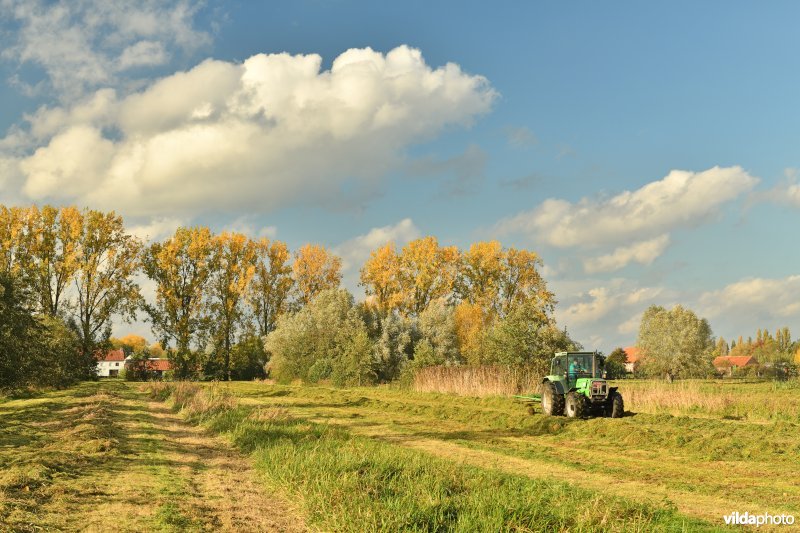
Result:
x=632 y=354
x=112 y=355
x=159 y=364
x=734 y=360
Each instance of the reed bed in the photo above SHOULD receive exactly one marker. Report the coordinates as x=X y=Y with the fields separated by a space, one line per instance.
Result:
x=480 y=381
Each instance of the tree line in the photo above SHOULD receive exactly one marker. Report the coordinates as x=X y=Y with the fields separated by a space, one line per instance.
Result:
x=676 y=343
x=230 y=307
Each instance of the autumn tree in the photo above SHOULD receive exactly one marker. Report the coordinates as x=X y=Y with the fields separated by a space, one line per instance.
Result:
x=315 y=269
x=53 y=252
x=472 y=321
x=523 y=284
x=675 y=343
x=380 y=277
x=233 y=265
x=180 y=266
x=271 y=286
x=480 y=275
x=104 y=284
x=129 y=343
x=13 y=223
x=427 y=272
x=721 y=348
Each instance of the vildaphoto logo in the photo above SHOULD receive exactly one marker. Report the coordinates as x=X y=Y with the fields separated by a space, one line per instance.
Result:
x=765 y=519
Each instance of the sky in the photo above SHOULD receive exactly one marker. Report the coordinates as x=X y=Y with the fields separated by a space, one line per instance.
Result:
x=647 y=152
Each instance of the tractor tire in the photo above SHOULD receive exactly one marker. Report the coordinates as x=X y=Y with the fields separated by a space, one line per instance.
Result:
x=552 y=401
x=616 y=408
x=575 y=405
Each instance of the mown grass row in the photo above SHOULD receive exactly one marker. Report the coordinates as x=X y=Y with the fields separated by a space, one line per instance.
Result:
x=351 y=483
x=706 y=437
x=46 y=447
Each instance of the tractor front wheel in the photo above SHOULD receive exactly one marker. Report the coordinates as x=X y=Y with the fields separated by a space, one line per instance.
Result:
x=616 y=408
x=575 y=404
x=552 y=401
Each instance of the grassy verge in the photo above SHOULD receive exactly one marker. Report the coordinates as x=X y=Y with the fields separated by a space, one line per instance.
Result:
x=352 y=483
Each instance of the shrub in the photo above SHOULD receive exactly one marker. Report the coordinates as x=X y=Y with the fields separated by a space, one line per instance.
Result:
x=327 y=339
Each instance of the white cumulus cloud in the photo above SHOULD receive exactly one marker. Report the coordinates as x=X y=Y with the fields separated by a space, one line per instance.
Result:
x=644 y=252
x=764 y=298
x=273 y=130
x=680 y=199
x=606 y=312
x=157 y=229
x=354 y=252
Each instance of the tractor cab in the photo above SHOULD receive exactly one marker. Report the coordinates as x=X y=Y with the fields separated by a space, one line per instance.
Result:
x=572 y=366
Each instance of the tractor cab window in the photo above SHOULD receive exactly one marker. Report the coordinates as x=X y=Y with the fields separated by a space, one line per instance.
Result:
x=580 y=366
x=558 y=367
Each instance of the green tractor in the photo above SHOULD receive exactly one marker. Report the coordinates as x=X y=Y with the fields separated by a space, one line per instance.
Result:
x=577 y=387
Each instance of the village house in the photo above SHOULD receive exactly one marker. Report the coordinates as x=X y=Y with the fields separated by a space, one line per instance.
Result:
x=727 y=364
x=632 y=357
x=110 y=363
x=156 y=367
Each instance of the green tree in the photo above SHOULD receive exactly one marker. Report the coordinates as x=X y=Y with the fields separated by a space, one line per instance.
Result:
x=675 y=343
x=35 y=350
x=436 y=325
x=326 y=339
x=394 y=347
x=248 y=357
x=526 y=336
x=615 y=364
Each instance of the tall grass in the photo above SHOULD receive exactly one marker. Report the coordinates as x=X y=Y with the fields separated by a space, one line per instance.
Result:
x=478 y=381
x=768 y=401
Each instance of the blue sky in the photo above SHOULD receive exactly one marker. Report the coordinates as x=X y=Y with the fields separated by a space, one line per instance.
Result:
x=647 y=152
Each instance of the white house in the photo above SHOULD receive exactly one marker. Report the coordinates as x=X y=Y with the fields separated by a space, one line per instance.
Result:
x=110 y=363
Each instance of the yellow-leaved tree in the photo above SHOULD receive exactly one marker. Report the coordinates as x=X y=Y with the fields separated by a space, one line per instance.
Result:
x=380 y=277
x=271 y=285
x=129 y=343
x=233 y=265
x=315 y=269
x=427 y=272
x=108 y=259
x=496 y=279
x=13 y=222
x=53 y=253
x=181 y=267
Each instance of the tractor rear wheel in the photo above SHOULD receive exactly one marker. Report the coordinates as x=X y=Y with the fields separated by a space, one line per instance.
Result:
x=616 y=408
x=575 y=405
x=552 y=401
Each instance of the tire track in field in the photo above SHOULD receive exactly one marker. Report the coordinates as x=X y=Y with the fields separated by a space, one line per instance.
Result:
x=222 y=488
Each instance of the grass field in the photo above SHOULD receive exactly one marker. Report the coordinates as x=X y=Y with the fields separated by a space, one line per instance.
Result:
x=104 y=457
x=373 y=459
